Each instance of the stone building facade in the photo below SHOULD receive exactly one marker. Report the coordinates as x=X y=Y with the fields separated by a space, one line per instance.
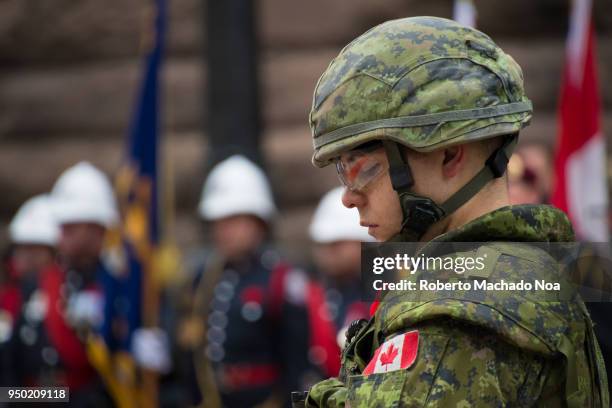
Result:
x=69 y=71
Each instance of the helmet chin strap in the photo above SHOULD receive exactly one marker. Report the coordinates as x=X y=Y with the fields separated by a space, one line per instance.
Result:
x=420 y=213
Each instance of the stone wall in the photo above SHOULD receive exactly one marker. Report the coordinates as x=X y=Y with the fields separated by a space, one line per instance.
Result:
x=69 y=70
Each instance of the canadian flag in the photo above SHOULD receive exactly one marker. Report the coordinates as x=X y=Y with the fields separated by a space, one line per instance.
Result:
x=580 y=189
x=397 y=353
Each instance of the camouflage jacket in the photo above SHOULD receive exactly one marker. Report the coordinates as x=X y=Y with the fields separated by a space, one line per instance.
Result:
x=507 y=351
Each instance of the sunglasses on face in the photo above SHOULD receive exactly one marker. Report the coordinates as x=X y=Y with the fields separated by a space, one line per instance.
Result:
x=359 y=169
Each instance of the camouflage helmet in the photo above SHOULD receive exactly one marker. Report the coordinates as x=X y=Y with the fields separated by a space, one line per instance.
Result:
x=424 y=82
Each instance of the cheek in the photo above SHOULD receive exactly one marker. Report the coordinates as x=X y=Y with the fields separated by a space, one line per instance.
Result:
x=323 y=258
x=67 y=242
x=383 y=205
x=391 y=216
x=222 y=230
x=231 y=234
x=429 y=181
x=251 y=232
x=390 y=209
x=97 y=242
x=21 y=260
x=79 y=241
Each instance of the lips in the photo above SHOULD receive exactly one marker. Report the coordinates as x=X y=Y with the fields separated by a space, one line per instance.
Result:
x=368 y=225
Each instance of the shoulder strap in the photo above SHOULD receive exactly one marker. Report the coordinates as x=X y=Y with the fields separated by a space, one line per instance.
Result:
x=204 y=374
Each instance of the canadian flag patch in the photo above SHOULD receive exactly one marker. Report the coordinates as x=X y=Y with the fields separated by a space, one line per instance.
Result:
x=397 y=353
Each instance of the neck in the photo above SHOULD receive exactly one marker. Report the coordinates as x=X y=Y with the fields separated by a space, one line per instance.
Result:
x=487 y=200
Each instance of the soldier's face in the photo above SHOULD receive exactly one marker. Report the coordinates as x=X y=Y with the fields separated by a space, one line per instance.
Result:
x=80 y=244
x=30 y=260
x=377 y=203
x=339 y=260
x=238 y=235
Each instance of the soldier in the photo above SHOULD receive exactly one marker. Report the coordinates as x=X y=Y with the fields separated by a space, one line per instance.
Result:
x=420 y=115
x=93 y=296
x=94 y=293
x=249 y=330
x=522 y=183
x=29 y=354
x=530 y=175
x=337 y=234
x=84 y=207
x=10 y=307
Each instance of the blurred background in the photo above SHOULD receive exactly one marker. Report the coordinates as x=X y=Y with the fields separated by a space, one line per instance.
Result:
x=69 y=73
x=236 y=76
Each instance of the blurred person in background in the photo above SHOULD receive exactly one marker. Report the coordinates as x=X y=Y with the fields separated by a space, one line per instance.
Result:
x=248 y=327
x=10 y=305
x=538 y=157
x=9 y=291
x=337 y=234
x=27 y=337
x=530 y=174
x=84 y=207
x=93 y=297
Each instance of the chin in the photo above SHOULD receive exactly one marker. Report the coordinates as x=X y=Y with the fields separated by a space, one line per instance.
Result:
x=377 y=236
x=382 y=236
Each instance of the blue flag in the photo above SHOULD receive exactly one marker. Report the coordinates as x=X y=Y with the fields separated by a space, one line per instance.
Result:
x=138 y=186
x=131 y=300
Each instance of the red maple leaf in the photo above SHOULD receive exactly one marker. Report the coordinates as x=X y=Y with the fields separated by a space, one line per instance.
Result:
x=389 y=355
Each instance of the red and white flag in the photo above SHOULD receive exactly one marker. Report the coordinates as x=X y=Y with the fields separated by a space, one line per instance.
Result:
x=397 y=353
x=580 y=188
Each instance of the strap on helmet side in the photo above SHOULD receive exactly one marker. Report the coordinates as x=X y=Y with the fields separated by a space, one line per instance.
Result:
x=495 y=167
x=420 y=213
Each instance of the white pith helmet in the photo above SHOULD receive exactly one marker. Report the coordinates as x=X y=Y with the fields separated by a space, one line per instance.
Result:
x=236 y=186
x=84 y=194
x=333 y=222
x=34 y=223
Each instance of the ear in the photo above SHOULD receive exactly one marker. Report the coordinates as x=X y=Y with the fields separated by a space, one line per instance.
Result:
x=454 y=160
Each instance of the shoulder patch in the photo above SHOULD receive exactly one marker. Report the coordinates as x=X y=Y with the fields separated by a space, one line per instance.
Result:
x=397 y=353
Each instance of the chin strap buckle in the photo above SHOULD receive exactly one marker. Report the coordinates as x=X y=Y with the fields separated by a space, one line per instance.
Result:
x=497 y=162
x=421 y=213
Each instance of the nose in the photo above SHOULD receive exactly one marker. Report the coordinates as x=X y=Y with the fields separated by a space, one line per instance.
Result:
x=352 y=199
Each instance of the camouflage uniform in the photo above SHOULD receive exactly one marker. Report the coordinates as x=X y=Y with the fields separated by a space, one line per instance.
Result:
x=507 y=351
x=428 y=83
